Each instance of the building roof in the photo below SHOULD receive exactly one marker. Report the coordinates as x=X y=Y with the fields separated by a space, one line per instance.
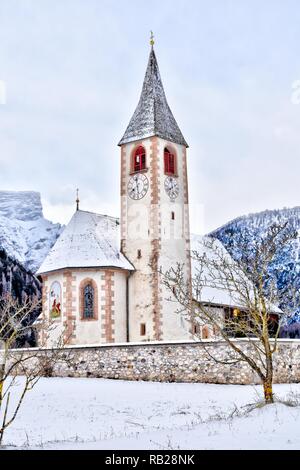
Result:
x=89 y=240
x=153 y=117
x=211 y=293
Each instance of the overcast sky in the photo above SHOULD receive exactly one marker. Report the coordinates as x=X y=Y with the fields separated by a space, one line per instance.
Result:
x=73 y=71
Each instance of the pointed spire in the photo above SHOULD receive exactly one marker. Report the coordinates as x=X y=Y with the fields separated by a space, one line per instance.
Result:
x=77 y=199
x=153 y=116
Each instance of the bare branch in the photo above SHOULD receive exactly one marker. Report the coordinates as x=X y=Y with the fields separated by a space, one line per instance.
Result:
x=236 y=298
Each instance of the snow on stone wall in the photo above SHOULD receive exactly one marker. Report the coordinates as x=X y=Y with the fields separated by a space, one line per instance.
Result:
x=168 y=362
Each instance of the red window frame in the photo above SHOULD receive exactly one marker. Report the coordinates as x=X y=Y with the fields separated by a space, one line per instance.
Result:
x=139 y=159
x=170 y=162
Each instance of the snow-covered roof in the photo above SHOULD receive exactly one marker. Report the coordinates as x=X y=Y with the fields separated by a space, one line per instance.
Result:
x=89 y=240
x=210 y=294
x=153 y=117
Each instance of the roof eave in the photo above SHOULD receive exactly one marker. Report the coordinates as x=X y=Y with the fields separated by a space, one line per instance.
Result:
x=129 y=140
x=49 y=271
x=274 y=311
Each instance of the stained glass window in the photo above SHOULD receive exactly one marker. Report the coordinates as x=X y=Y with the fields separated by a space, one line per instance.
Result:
x=88 y=308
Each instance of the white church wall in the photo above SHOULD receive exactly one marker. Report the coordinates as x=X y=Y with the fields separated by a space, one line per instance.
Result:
x=174 y=243
x=88 y=331
x=148 y=229
x=120 y=324
x=135 y=227
x=52 y=334
x=109 y=322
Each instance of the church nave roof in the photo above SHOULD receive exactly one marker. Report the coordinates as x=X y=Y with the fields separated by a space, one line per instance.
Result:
x=89 y=240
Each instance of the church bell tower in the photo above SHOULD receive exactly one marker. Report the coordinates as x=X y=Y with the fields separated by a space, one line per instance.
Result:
x=155 y=232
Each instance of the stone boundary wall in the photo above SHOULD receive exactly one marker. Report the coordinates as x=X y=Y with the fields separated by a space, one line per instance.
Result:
x=162 y=362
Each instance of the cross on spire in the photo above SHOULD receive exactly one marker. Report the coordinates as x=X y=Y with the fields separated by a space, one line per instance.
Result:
x=151 y=39
x=77 y=199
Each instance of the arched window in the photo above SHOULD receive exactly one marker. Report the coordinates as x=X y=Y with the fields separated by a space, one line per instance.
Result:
x=88 y=301
x=170 y=162
x=205 y=332
x=139 y=159
x=55 y=300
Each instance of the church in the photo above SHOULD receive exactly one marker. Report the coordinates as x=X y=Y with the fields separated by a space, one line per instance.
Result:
x=102 y=279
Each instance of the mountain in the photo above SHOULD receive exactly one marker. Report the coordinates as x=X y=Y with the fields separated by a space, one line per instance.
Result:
x=21 y=284
x=25 y=234
x=286 y=265
x=16 y=280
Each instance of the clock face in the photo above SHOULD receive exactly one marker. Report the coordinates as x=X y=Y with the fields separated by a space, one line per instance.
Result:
x=171 y=187
x=138 y=186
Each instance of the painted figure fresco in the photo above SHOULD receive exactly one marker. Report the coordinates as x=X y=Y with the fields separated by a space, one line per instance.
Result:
x=55 y=300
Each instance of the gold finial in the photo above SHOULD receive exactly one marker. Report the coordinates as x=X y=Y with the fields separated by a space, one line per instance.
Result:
x=77 y=199
x=151 y=39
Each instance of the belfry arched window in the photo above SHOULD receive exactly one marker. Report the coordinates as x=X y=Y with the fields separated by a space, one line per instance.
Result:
x=170 y=162
x=139 y=159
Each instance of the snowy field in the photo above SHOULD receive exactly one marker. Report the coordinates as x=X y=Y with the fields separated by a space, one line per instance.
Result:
x=109 y=414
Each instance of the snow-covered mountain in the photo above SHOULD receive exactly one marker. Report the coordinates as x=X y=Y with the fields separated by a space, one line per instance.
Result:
x=261 y=220
x=25 y=234
x=20 y=283
x=286 y=266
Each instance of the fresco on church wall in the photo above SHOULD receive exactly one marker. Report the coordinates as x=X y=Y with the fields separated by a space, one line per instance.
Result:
x=55 y=300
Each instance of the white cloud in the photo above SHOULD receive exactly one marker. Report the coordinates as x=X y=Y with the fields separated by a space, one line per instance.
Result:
x=2 y=92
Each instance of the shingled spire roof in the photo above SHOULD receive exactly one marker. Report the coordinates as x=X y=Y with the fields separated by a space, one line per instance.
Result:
x=153 y=117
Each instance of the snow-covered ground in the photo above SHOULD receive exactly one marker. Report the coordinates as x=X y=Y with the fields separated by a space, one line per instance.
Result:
x=73 y=413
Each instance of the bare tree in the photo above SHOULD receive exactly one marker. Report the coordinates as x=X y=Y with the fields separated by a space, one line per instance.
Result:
x=29 y=363
x=249 y=285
